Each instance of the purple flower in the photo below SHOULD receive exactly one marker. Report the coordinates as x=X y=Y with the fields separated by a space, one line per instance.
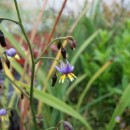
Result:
x=65 y=68
x=66 y=71
x=10 y=52
x=3 y=112
x=118 y=119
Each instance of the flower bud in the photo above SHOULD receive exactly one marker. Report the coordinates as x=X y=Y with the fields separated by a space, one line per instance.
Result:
x=59 y=45
x=67 y=126
x=72 y=44
x=22 y=95
x=10 y=52
x=7 y=63
x=3 y=112
x=1 y=66
x=2 y=39
x=54 y=79
x=63 y=52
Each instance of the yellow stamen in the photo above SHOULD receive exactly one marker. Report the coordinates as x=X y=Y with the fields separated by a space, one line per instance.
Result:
x=73 y=75
x=62 y=78
x=4 y=118
x=70 y=77
x=17 y=57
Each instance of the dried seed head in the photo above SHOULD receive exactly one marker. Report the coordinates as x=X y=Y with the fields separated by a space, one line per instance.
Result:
x=59 y=45
x=2 y=39
x=54 y=79
x=63 y=52
x=67 y=126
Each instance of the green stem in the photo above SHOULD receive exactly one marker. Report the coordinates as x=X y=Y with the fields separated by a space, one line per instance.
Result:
x=31 y=98
x=48 y=58
x=33 y=66
x=57 y=126
x=51 y=128
x=2 y=19
x=22 y=28
x=59 y=123
x=57 y=39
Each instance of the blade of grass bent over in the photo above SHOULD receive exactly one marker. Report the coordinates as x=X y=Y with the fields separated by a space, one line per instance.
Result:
x=83 y=46
x=56 y=103
x=95 y=76
x=81 y=78
x=50 y=100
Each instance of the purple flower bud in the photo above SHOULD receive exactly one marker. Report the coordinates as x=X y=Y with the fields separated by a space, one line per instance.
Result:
x=3 y=112
x=2 y=39
x=10 y=52
x=67 y=126
x=63 y=52
x=118 y=119
x=72 y=44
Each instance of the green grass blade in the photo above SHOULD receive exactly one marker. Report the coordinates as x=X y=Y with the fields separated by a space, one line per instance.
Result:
x=123 y=103
x=79 y=79
x=95 y=76
x=83 y=47
x=57 y=104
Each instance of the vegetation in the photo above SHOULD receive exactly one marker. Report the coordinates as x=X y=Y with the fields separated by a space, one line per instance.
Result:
x=96 y=43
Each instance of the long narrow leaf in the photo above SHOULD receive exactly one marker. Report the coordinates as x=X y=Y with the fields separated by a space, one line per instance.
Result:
x=57 y=104
x=95 y=76
x=123 y=103
x=83 y=46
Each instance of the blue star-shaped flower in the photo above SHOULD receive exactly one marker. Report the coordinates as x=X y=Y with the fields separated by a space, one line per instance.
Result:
x=66 y=71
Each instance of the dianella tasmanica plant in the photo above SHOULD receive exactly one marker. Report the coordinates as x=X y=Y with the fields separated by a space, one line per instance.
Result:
x=12 y=116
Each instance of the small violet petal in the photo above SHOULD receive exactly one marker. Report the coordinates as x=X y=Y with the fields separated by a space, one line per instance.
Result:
x=62 y=67
x=58 y=69
x=69 y=68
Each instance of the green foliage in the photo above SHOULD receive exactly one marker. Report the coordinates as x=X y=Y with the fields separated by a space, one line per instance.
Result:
x=102 y=66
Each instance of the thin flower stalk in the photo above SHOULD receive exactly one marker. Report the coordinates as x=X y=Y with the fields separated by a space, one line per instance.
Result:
x=33 y=65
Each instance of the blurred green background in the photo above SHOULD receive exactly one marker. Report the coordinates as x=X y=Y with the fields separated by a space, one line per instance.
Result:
x=101 y=92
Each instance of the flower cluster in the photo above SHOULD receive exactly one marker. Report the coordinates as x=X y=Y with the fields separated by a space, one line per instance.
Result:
x=64 y=68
